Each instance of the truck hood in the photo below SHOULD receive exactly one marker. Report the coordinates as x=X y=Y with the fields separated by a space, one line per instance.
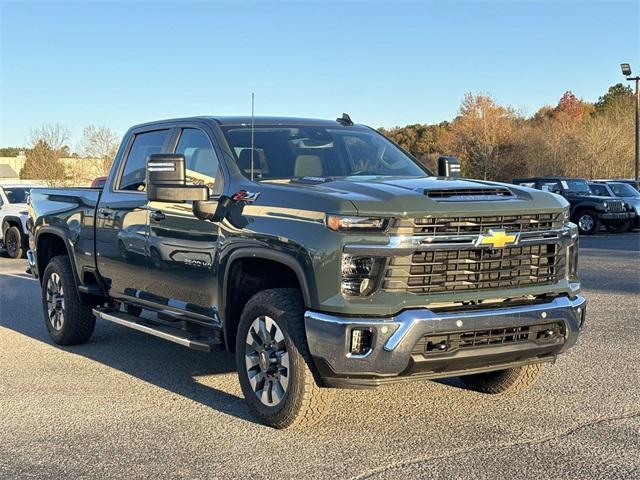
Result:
x=415 y=196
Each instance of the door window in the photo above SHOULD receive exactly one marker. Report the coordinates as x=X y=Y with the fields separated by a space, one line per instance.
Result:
x=200 y=159
x=144 y=144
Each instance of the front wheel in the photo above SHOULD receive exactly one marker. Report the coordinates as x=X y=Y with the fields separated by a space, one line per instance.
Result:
x=68 y=320
x=509 y=382
x=13 y=242
x=618 y=227
x=588 y=223
x=274 y=364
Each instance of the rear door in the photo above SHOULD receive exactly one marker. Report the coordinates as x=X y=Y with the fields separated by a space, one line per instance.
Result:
x=183 y=249
x=122 y=216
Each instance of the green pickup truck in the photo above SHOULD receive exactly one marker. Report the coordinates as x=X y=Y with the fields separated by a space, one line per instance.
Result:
x=319 y=252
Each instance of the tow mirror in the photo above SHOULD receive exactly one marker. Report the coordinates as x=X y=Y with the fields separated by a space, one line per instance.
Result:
x=212 y=210
x=166 y=180
x=448 y=167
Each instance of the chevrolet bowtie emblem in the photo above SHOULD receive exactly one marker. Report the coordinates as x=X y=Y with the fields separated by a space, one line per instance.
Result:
x=497 y=239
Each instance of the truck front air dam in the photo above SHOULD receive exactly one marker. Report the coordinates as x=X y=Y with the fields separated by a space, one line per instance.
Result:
x=421 y=343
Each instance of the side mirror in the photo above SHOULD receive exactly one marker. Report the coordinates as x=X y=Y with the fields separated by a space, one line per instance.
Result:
x=448 y=167
x=166 y=180
x=212 y=210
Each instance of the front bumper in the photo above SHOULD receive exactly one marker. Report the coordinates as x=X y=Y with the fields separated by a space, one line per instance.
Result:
x=399 y=344
x=618 y=216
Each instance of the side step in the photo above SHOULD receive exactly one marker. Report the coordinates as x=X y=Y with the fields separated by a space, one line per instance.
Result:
x=175 y=335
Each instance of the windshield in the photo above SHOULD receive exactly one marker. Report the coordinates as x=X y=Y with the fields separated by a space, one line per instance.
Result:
x=313 y=151
x=576 y=186
x=16 y=195
x=624 y=190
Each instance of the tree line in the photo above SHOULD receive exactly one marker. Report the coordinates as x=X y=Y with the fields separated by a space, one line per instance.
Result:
x=495 y=142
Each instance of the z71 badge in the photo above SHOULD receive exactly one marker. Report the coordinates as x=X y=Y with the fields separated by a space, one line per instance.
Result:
x=244 y=196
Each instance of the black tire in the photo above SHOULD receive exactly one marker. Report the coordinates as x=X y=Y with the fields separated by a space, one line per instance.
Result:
x=618 y=227
x=303 y=402
x=77 y=322
x=632 y=226
x=507 y=382
x=13 y=242
x=588 y=222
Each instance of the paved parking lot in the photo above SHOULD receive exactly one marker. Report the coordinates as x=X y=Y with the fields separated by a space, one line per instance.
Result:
x=128 y=405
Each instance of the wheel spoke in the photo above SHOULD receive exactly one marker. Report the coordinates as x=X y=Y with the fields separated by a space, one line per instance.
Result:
x=262 y=330
x=256 y=378
x=277 y=391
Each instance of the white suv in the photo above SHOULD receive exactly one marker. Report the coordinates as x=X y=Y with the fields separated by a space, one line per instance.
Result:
x=13 y=217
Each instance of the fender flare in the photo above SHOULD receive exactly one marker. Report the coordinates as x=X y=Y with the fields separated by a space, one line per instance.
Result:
x=9 y=219
x=266 y=254
x=60 y=233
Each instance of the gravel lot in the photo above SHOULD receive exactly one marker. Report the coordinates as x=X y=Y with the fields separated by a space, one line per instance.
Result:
x=129 y=405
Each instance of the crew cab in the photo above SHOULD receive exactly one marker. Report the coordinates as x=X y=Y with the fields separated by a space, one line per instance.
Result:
x=587 y=210
x=319 y=252
x=13 y=217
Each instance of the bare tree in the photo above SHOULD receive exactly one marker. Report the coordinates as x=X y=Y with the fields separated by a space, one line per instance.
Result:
x=48 y=144
x=99 y=142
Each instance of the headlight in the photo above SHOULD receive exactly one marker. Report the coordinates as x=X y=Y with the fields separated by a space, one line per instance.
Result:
x=565 y=215
x=360 y=224
x=360 y=275
x=605 y=205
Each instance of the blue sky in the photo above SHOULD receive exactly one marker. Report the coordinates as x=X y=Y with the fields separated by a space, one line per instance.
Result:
x=386 y=63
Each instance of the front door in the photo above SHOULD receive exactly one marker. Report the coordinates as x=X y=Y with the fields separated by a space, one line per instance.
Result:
x=183 y=249
x=122 y=218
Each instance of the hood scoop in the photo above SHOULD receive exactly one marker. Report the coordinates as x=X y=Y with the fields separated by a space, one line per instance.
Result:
x=469 y=194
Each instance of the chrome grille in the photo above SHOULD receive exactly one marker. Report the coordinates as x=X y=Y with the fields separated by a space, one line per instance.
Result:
x=451 y=226
x=441 y=271
x=616 y=206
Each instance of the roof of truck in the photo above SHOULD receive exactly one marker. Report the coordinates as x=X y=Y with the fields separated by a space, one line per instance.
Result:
x=258 y=121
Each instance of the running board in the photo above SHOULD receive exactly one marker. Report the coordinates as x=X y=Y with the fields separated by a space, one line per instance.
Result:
x=186 y=339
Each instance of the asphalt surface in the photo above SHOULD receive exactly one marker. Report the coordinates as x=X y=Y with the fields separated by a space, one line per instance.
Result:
x=126 y=405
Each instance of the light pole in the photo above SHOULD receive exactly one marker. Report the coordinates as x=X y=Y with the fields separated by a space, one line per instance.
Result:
x=626 y=71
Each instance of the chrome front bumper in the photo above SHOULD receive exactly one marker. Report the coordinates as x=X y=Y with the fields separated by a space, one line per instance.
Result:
x=393 y=340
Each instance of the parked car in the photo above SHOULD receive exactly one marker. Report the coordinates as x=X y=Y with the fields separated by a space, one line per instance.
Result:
x=632 y=183
x=588 y=211
x=13 y=217
x=319 y=252
x=98 y=182
x=620 y=190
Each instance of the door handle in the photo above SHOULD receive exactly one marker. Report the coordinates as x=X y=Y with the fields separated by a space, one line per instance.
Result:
x=157 y=216
x=105 y=212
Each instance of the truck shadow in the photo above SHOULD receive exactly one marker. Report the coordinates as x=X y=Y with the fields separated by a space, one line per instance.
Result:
x=208 y=379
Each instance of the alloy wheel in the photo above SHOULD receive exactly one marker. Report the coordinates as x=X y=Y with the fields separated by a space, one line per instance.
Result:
x=12 y=244
x=55 y=301
x=267 y=361
x=585 y=223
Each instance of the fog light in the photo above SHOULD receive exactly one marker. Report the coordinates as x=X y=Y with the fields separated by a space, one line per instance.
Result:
x=360 y=341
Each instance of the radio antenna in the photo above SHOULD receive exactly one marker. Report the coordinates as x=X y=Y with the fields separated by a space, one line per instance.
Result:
x=252 y=131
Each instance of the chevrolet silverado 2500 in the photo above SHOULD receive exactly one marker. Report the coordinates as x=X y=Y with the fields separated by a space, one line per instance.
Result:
x=319 y=252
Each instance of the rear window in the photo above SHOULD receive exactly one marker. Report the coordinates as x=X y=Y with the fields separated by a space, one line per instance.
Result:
x=144 y=144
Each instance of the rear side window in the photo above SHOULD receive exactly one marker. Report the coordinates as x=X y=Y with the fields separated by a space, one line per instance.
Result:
x=144 y=144
x=200 y=159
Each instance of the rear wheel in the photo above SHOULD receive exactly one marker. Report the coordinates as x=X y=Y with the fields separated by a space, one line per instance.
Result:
x=68 y=320
x=588 y=223
x=619 y=227
x=509 y=382
x=13 y=242
x=274 y=364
